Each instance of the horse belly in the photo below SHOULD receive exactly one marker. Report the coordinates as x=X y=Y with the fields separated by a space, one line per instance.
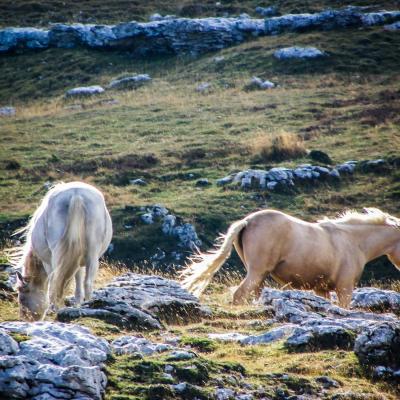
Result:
x=303 y=276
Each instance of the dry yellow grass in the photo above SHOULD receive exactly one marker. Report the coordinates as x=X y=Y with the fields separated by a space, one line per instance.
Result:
x=277 y=147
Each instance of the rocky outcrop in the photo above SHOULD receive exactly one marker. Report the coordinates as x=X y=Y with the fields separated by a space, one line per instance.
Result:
x=173 y=226
x=376 y=300
x=130 y=82
x=183 y=35
x=378 y=349
x=281 y=178
x=257 y=83
x=84 y=91
x=139 y=302
x=51 y=360
x=298 y=52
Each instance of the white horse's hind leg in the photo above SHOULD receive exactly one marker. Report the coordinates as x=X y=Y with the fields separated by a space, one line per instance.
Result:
x=92 y=266
x=79 y=290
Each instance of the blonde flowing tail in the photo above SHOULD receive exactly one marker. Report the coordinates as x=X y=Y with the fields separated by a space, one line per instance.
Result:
x=69 y=252
x=199 y=273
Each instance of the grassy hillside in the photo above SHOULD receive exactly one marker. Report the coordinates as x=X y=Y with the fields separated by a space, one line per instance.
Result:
x=30 y=12
x=346 y=104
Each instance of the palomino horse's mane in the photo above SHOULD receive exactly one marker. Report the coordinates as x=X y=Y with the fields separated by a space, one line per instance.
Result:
x=21 y=256
x=372 y=216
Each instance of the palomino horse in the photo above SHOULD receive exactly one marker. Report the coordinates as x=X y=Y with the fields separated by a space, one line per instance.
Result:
x=323 y=256
x=70 y=230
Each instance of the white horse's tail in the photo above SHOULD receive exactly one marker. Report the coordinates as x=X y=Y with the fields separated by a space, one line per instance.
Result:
x=199 y=273
x=68 y=254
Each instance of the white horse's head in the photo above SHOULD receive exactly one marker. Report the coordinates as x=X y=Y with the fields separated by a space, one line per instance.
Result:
x=33 y=300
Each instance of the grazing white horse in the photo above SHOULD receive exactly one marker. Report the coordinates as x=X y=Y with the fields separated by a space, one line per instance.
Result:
x=69 y=231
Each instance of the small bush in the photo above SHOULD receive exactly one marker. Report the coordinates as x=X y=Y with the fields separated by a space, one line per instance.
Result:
x=284 y=146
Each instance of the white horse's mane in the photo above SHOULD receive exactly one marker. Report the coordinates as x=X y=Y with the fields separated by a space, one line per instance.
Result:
x=372 y=216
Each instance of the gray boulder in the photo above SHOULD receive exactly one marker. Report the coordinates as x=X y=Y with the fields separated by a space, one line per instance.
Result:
x=298 y=52
x=57 y=360
x=393 y=27
x=7 y=111
x=378 y=349
x=20 y=38
x=134 y=345
x=84 y=91
x=130 y=82
x=267 y=11
x=272 y=335
x=258 y=83
x=377 y=300
x=140 y=302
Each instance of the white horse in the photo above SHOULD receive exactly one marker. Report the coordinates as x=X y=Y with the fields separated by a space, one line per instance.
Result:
x=70 y=230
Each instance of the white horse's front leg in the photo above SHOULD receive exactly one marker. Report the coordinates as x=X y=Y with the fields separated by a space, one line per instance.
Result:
x=79 y=291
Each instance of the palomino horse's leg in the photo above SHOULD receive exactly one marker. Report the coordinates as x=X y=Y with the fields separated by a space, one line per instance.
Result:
x=323 y=293
x=251 y=285
x=92 y=266
x=344 y=295
x=79 y=291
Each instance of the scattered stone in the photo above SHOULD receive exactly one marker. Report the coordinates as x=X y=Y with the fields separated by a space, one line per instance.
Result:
x=376 y=300
x=224 y=394
x=228 y=337
x=320 y=156
x=181 y=355
x=55 y=361
x=139 y=182
x=203 y=182
x=267 y=11
x=84 y=91
x=218 y=59
x=204 y=87
x=320 y=337
x=284 y=179
x=140 y=302
x=7 y=111
x=147 y=218
x=392 y=27
x=133 y=344
x=130 y=82
x=225 y=180
x=173 y=226
x=326 y=382
x=378 y=349
x=270 y=336
x=298 y=52
x=257 y=83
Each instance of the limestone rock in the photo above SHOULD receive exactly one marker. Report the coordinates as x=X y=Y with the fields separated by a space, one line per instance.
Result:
x=298 y=52
x=377 y=300
x=20 y=38
x=257 y=83
x=393 y=27
x=140 y=302
x=130 y=82
x=7 y=111
x=267 y=11
x=57 y=360
x=133 y=344
x=84 y=91
x=270 y=336
x=378 y=349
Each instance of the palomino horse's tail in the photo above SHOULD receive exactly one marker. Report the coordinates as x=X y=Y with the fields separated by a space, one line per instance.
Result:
x=199 y=273
x=68 y=254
